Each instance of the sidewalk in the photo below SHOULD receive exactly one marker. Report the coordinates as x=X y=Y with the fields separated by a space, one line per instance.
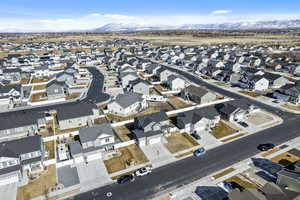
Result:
x=187 y=191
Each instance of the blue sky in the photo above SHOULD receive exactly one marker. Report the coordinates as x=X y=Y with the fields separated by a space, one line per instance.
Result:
x=39 y=15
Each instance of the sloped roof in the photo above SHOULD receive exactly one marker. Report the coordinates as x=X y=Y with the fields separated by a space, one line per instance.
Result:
x=144 y=120
x=92 y=133
x=127 y=99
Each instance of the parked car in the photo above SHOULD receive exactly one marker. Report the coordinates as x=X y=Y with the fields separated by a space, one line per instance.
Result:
x=199 y=152
x=243 y=124
x=143 y=171
x=196 y=136
x=126 y=178
x=265 y=147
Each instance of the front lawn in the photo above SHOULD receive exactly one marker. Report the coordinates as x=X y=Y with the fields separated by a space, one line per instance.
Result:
x=39 y=186
x=180 y=141
x=222 y=130
x=131 y=154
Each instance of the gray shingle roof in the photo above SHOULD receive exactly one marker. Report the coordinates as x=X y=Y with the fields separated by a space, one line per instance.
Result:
x=92 y=133
x=70 y=111
x=127 y=99
x=143 y=121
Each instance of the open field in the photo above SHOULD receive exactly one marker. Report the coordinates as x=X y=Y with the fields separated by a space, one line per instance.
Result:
x=129 y=154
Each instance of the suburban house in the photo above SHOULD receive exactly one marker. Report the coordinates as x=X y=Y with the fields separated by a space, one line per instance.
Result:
x=20 y=157
x=13 y=75
x=67 y=78
x=275 y=80
x=20 y=124
x=176 y=82
x=235 y=110
x=198 y=95
x=56 y=90
x=73 y=116
x=126 y=77
x=259 y=83
x=163 y=74
x=288 y=93
x=10 y=95
x=139 y=86
x=93 y=141
x=127 y=104
x=195 y=121
x=149 y=129
x=289 y=179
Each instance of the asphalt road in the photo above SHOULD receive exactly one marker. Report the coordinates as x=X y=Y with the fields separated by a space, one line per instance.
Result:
x=94 y=94
x=190 y=169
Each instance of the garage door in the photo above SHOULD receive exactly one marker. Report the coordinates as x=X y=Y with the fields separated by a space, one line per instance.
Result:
x=154 y=140
x=10 y=179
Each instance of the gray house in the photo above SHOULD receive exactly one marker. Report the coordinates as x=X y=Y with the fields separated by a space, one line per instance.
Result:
x=126 y=104
x=126 y=77
x=150 y=128
x=288 y=93
x=73 y=116
x=20 y=124
x=235 y=110
x=139 y=86
x=201 y=119
x=97 y=136
x=20 y=157
x=198 y=95
x=56 y=90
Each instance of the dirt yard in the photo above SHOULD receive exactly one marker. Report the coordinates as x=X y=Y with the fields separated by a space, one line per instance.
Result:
x=123 y=132
x=222 y=130
x=179 y=142
x=250 y=93
x=38 y=97
x=259 y=118
x=291 y=107
x=129 y=154
x=39 y=87
x=178 y=102
x=39 y=186
x=285 y=158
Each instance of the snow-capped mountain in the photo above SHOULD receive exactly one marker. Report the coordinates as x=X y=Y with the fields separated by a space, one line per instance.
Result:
x=275 y=24
x=130 y=27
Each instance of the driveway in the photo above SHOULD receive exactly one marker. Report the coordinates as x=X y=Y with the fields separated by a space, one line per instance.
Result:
x=9 y=192
x=158 y=154
x=93 y=174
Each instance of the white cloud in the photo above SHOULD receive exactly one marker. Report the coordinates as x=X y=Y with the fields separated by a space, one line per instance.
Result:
x=112 y=16
x=95 y=20
x=221 y=12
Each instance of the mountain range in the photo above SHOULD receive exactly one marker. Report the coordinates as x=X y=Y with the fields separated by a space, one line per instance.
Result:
x=274 y=24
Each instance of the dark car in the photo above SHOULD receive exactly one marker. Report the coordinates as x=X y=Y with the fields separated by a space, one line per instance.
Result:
x=265 y=147
x=125 y=178
x=196 y=136
x=243 y=124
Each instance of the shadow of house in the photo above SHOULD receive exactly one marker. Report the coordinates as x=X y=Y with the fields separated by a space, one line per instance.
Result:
x=211 y=193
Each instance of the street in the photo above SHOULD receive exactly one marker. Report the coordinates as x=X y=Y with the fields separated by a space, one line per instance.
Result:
x=190 y=169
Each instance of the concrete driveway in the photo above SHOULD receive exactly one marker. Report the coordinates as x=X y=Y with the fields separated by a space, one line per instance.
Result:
x=9 y=192
x=158 y=154
x=93 y=174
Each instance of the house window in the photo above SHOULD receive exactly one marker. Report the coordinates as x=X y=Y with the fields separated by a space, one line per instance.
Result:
x=107 y=140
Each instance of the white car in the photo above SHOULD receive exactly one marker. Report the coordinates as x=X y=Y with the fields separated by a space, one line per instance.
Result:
x=143 y=171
